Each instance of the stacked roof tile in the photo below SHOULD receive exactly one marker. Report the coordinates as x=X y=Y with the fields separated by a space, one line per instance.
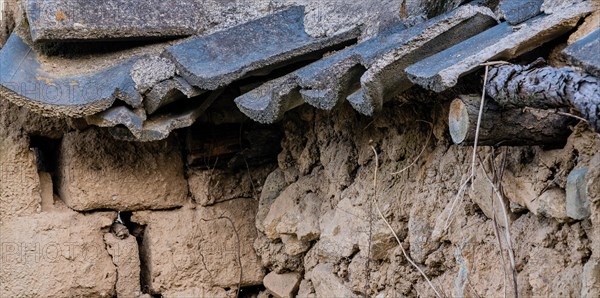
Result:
x=274 y=63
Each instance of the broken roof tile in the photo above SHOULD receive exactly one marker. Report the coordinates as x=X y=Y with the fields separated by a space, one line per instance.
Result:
x=61 y=20
x=159 y=127
x=169 y=91
x=442 y=70
x=215 y=60
x=552 y=6
x=386 y=77
x=24 y=81
x=268 y=103
x=518 y=11
x=380 y=61
x=585 y=53
x=133 y=120
x=150 y=70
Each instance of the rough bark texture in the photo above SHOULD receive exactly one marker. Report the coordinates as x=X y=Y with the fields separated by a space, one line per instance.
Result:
x=546 y=87
x=505 y=126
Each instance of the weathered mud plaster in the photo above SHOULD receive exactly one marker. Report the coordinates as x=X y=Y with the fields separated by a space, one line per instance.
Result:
x=56 y=254
x=125 y=256
x=209 y=239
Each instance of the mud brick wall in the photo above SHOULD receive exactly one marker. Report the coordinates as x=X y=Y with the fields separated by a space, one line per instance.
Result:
x=321 y=201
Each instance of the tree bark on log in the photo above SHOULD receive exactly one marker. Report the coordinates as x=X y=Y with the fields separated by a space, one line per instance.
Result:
x=546 y=87
x=505 y=127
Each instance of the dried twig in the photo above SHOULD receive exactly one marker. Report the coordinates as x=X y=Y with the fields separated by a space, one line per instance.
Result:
x=459 y=195
x=526 y=109
x=478 y=124
x=497 y=229
x=492 y=63
x=368 y=263
x=549 y=184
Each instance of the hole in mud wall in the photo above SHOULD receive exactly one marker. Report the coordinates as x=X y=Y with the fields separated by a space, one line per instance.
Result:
x=233 y=146
x=46 y=153
x=251 y=291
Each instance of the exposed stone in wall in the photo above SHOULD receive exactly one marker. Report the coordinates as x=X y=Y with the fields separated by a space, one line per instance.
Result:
x=417 y=202
x=282 y=285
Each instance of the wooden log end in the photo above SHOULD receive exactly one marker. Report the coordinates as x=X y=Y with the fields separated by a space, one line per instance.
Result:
x=458 y=121
x=505 y=126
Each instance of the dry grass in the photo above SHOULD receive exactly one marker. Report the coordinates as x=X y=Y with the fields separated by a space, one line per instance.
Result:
x=507 y=235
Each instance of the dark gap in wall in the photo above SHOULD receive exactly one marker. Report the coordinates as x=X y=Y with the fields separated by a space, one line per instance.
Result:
x=181 y=106
x=113 y=210
x=233 y=146
x=251 y=291
x=587 y=230
x=491 y=4
x=120 y=103
x=46 y=154
x=548 y=50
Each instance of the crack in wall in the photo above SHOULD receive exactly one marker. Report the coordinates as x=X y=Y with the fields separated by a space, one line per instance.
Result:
x=106 y=247
x=123 y=244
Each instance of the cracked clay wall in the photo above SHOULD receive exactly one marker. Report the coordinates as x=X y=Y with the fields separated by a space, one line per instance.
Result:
x=306 y=220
